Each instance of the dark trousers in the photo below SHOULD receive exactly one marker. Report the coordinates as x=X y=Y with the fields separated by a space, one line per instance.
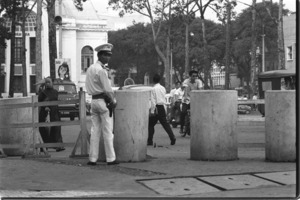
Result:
x=175 y=107
x=50 y=134
x=185 y=107
x=161 y=117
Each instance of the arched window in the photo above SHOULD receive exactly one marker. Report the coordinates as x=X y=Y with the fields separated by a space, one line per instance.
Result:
x=87 y=58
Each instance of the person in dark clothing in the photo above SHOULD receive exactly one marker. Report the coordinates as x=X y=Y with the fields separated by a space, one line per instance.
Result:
x=52 y=134
x=157 y=111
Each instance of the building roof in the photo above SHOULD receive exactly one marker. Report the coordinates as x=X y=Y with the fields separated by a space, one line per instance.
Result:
x=278 y=73
x=85 y=20
x=70 y=11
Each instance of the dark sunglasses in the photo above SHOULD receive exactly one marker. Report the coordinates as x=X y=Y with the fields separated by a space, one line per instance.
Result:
x=107 y=54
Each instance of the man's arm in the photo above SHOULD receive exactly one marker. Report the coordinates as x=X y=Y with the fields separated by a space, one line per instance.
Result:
x=107 y=89
x=152 y=100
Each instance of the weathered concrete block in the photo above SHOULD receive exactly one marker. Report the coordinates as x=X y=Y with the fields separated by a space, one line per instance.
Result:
x=213 y=125
x=280 y=125
x=130 y=127
x=13 y=116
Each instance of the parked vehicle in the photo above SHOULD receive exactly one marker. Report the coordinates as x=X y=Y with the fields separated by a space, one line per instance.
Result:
x=67 y=91
x=244 y=109
x=272 y=80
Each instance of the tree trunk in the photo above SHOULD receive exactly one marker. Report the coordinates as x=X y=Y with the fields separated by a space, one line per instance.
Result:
x=12 y=53
x=38 y=45
x=23 y=53
x=52 y=38
x=187 y=67
x=187 y=48
x=205 y=54
x=167 y=63
x=280 y=41
x=253 y=49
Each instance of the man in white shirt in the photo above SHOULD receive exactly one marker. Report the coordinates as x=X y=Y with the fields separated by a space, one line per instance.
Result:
x=157 y=111
x=179 y=93
x=173 y=91
x=191 y=83
x=98 y=85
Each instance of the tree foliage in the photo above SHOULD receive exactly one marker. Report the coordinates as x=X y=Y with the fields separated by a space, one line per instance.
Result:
x=157 y=11
x=242 y=36
x=133 y=48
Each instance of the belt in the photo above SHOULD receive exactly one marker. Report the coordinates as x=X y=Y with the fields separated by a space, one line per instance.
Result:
x=99 y=96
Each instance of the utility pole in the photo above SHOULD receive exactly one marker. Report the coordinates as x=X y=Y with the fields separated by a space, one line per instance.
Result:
x=280 y=40
x=227 y=78
x=263 y=48
x=253 y=76
x=60 y=31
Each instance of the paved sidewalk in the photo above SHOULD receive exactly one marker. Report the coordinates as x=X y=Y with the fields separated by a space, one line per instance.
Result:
x=167 y=172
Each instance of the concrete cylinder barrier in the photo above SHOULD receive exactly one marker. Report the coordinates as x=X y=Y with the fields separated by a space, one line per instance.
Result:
x=130 y=126
x=15 y=116
x=213 y=125
x=280 y=121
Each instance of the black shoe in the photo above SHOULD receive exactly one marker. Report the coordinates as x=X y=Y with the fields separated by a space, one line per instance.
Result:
x=150 y=143
x=60 y=149
x=92 y=163
x=113 y=163
x=173 y=141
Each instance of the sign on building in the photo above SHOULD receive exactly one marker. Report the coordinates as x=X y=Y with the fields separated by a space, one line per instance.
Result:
x=63 y=69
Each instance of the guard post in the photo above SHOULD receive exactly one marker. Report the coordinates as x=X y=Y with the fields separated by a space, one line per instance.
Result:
x=131 y=118
x=280 y=119
x=213 y=125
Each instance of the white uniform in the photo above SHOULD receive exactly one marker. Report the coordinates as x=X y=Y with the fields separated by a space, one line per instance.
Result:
x=97 y=82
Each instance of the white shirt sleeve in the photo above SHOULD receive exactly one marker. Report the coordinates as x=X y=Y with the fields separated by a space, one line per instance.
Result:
x=152 y=100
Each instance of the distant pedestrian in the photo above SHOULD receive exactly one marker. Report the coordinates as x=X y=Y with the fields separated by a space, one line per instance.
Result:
x=255 y=98
x=191 y=83
x=52 y=134
x=157 y=111
x=103 y=101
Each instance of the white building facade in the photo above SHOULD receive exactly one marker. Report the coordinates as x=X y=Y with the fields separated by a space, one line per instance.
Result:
x=82 y=31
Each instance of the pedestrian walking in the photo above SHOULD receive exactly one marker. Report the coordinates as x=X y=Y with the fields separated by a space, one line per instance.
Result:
x=157 y=111
x=52 y=134
x=103 y=101
x=254 y=106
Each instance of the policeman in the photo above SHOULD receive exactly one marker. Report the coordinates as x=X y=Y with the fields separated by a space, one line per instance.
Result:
x=98 y=85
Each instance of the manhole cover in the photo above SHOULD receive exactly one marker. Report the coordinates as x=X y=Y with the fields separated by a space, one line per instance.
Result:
x=231 y=182
x=287 y=178
x=178 y=186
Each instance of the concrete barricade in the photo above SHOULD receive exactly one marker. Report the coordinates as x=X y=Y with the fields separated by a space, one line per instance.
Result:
x=280 y=125
x=213 y=125
x=16 y=116
x=130 y=126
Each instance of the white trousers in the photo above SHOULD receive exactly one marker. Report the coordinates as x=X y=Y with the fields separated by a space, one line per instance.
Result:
x=102 y=123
